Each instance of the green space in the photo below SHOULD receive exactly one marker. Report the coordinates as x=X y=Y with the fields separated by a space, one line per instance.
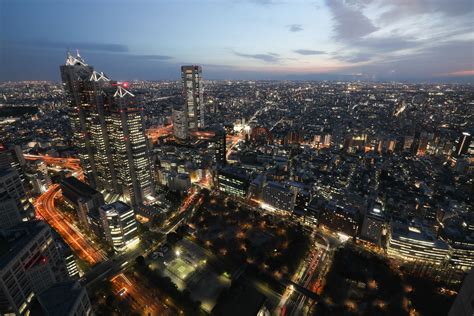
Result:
x=243 y=236
x=363 y=283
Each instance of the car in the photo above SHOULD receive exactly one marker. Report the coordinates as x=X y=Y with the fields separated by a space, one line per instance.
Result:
x=154 y=255
x=122 y=292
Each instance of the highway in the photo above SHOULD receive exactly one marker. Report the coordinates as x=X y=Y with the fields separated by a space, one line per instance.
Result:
x=46 y=209
x=139 y=297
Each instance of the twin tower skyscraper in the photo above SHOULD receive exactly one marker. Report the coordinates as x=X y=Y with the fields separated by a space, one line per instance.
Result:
x=108 y=129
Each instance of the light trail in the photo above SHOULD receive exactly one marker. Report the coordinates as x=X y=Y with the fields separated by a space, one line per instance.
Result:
x=46 y=209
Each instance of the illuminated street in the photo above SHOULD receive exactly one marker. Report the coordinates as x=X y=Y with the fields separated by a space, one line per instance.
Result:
x=45 y=208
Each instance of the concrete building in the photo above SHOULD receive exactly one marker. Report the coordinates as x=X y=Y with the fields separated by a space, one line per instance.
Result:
x=82 y=197
x=193 y=94
x=120 y=226
x=109 y=131
x=279 y=196
x=11 y=183
x=65 y=299
x=29 y=264
x=464 y=303
x=413 y=242
x=233 y=181
x=9 y=212
x=373 y=225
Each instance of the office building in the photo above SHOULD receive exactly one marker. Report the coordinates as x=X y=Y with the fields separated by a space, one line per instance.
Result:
x=109 y=132
x=373 y=225
x=120 y=226
x=193 y=94
x=233 y=181
x=180 y=124
x=11 y=183
x=340 y=218
x=219 y=143
x=29 y=264
x=75 y=75
x=67 y=298
x=464 y=303
x=413 y=242
x=82 y=197
x=9 y=212
x=278 y=196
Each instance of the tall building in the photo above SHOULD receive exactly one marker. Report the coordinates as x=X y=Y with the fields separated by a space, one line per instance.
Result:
x=462 y=144
x=464 y=303
x=108 y=131
x=82 y=197
x=64 y=299
x=11 y=183
x=220 y=146
x=120 y=226
x=193 y=95
x=180 y=124
x=75 y=75
x=9 y=212
x=373 y=224
x=29 y=264
x=234 y=181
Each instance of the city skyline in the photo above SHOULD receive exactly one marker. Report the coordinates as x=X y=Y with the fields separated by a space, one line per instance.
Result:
x=259 y=39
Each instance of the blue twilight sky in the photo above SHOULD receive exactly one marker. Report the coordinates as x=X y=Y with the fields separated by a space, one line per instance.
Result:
x=241 y=39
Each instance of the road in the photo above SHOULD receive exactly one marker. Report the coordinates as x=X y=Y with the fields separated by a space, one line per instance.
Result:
x=139 y=297
x=46 y=209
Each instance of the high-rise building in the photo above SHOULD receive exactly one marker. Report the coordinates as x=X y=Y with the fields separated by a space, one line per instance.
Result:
x=462 y=144
x=11 y=183
x=220 y=149
x=464 y=303
x=120 y=226
x=82 y=197
x=9 y=212
x=234 y=181
x=64 y=299
x=75 y=75
x=29 y=264
x=180 y=124
x=193 y=95
x=109 y=132
x=373 y=224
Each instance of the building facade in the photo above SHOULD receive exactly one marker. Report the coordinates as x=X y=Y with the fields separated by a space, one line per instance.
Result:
x=120 y=226
x=109 y=132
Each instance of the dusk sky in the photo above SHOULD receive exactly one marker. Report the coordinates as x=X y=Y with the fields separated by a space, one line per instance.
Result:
x=242 y=39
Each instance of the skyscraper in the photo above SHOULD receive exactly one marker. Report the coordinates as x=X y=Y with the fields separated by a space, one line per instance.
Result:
x=30 y=264
x=75 y=75
x=109 y=132
x=11 y=183
x=193 y=95
x=120 y=227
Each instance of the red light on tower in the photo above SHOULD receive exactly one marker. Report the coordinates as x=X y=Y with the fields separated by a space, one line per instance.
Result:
x=125 y=84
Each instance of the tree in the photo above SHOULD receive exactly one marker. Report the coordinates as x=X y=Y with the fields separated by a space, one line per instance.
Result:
x=140 y=260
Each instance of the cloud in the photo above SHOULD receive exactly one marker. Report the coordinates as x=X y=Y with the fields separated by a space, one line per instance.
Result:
x=452 y=57
x=264 y=2
x=83 y=46
x=154 y=57
x=295 y=27
x=269 y=57
x=309 y=52
x=349 y=22
x=396 y=9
